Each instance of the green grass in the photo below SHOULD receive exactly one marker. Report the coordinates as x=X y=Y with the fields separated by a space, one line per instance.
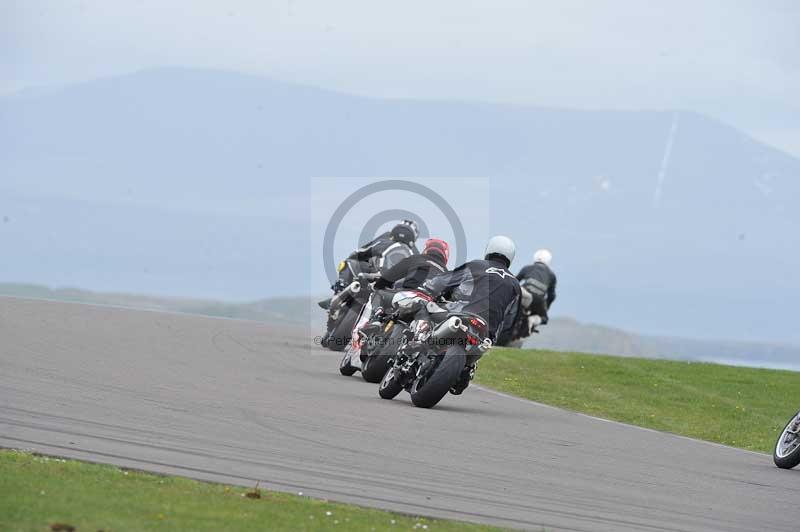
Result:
x=37 y=492
x=741 y=407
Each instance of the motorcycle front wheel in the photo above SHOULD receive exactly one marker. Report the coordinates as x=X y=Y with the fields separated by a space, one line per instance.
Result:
x=389 y=386
x=430 y=388
x=787 y=448
x=344 y=366
x=341 y=335
x=376 y=366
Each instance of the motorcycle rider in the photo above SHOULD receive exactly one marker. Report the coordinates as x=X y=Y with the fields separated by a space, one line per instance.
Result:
x=538 y=282
x=382 y=252
x=385 y=235
x=484 y=287
x=410 y=273
x=386 y=251
x=414 y=270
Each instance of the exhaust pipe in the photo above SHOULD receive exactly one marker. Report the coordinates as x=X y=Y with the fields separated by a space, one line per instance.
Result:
x=485 y=345
x=447 y=328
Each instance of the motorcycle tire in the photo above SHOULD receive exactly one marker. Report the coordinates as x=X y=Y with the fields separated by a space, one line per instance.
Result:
x=376 y=366
x=344 y=366
x=389 y=387
x=782 y=458
x=342 y=332
x=428 y=390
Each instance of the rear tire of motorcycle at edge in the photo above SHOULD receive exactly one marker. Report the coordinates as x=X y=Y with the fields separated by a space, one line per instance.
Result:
x=790 y=460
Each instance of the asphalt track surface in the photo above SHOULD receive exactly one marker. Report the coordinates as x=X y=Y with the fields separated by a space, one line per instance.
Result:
x=240 y=402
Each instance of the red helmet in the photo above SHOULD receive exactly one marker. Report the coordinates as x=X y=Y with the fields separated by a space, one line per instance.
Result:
x=434 y=245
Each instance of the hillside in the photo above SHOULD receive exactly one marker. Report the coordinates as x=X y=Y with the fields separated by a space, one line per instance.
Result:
x=567 y=334
x=196 y=182
x=293 y=311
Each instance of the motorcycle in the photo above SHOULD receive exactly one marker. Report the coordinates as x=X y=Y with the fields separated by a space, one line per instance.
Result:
x=351 y=291
x=346 y=305
x=787 y=448
x=433 y=360
x=526 y=323
x=524 y=326
x=379 y=341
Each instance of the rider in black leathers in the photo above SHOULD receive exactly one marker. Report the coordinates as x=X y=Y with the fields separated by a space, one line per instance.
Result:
x=381 y=253
x=540 y=282
x=410 y=273
x=484 y=287
x=387 y=235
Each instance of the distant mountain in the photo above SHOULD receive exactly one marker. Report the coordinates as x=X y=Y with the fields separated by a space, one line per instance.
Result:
x=665 y=222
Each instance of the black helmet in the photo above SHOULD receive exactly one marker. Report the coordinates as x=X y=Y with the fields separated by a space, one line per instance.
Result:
x=402 y=233
x=413 y=225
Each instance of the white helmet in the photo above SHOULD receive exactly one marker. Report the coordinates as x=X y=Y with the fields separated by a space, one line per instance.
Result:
x=501 y=245
x=544 y=256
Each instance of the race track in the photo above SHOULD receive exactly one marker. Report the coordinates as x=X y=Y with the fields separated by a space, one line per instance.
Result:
x=240 y=402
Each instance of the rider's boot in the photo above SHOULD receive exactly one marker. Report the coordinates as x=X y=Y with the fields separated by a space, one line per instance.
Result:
x=533 y=322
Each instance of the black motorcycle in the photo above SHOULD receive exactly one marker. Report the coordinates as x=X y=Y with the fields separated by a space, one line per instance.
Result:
x=787 y=448
x=379 y=342
x=351 y=292
x=525 y=324
x=521 y=329
x=435 y=359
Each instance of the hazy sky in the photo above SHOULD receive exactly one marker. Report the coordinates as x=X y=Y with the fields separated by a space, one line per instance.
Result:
x=735 y=59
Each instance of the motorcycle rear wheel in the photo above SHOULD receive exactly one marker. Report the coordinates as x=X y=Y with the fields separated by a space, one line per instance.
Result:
x=428 y=390
x=787 y=454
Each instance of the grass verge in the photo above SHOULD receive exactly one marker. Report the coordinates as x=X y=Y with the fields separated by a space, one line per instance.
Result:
x=42 y=493
x=737 y=406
